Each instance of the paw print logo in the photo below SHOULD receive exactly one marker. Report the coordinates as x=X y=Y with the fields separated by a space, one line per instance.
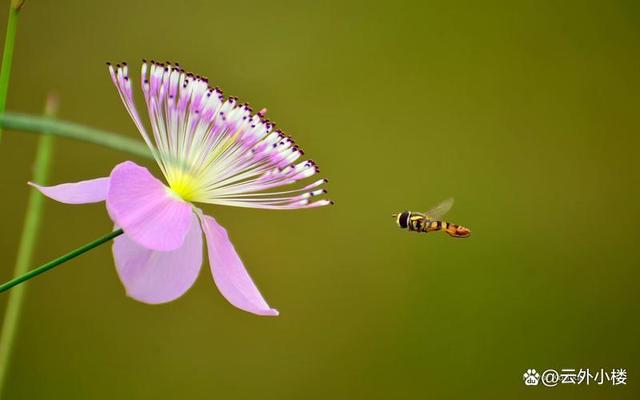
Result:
x=531 y=377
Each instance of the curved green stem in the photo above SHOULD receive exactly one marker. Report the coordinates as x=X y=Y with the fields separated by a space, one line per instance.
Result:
x=54 y=263
x=7 y=54
x=70 y=130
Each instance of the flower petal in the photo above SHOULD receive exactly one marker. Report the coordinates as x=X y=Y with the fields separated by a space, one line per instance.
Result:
x=83 y=192
x=146 y=209
x=229 y=273
x=157 y=277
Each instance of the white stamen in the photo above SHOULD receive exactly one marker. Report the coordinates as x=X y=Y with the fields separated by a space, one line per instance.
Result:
x=215 y=151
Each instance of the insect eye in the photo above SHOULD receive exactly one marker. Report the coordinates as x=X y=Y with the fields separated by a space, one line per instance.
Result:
x=403 y=219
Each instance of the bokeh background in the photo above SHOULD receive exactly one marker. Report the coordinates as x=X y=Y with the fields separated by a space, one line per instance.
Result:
x=526 y=112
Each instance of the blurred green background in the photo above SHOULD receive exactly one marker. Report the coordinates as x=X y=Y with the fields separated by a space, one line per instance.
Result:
x=526 y=112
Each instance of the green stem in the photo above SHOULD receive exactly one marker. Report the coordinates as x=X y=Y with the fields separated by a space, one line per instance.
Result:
x=54 y=263
x=38 y=124
x=7 y=54
x=27 y=243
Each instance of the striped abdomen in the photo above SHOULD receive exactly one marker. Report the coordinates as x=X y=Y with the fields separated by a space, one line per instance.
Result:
x=454 y=230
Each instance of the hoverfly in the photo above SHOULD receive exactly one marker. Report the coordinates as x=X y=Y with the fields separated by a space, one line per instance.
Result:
x=431 y=221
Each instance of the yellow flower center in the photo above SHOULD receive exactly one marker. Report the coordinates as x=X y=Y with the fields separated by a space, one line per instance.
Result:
x=185 y=186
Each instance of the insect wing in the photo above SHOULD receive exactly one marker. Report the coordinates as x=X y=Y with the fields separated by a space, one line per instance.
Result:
x=441 y=209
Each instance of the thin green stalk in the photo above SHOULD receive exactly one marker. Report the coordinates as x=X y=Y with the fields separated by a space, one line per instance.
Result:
x=26 y=246
x=39 y=124
x=7 y=54
x=54 y=263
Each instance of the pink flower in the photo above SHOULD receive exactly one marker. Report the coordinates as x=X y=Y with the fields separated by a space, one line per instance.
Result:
x=210 y=150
